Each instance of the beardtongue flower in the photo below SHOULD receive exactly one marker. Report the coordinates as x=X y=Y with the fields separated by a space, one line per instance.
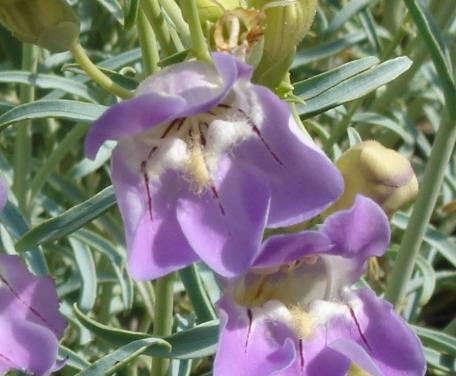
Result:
x=30 y=321
x=303 y=318
x=204 y=161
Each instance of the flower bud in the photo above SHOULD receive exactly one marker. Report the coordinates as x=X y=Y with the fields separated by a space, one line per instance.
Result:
x=377 y=172
x=212 y=10
x=51 y=24
x=287 y=22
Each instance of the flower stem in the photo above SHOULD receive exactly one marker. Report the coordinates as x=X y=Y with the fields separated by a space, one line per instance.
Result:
x=23 y=145
x=422 y=211
x=163 y=318
x=197 y=293
x=199 y=45
x=148 y=43
x=435 y=168
x=175 y=13
x=154 y=14
x=96 y=74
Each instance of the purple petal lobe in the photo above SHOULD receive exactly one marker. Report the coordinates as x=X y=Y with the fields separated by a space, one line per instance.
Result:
x=393 y=345
x=360 y=232
x=282 y=249
x=131 y=117
x=199 y=85
x=30 y=322
x=25 y=345
x=303 y=180
x=155 y=240
x=252 y=344
x=224 y=225
x=356 y=354
x=29 y=297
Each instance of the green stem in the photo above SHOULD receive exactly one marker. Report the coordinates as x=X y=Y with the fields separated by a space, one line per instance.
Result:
x=163 y=318
x=435 y=168
x=96 y=74
x=422 y=211
x=199 y=45
x=392 y=15
x=197 y=294
x=148 y=43
x=154 y=14
x=175 y=13
x=23 y=145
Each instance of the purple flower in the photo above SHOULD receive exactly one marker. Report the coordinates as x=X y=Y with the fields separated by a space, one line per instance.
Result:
x=30 y=322
x=302 y=318
x=204 y=161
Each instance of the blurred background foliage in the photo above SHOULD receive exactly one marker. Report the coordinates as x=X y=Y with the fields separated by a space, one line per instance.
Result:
x=67 y=224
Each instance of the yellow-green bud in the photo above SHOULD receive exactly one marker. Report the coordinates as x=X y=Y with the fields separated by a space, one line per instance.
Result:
x=287 y=22
x=51 y=24
x=212 y=10
x=379 y=173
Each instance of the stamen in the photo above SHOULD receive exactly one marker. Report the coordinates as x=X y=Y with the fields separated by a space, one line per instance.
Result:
x=146 y=183
x=165 y=133
x=202 y=137
x=256 y=130
x=249 y=330
x=217 y=198
x=352 y=314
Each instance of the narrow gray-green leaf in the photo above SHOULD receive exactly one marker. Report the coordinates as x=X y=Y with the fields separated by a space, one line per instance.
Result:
x=48 y=81
x=62 y=109
x=344 y=14
x=197 y=342
x=320 y=83
x=355 y=87
x=88 y=273
x=69 y=221
x=117 y=359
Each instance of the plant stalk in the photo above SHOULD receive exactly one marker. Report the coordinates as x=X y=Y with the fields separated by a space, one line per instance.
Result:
x=154 y=14
x=96 y=74
x=148 y=43
x=199 y=46
x=163 y=318
x=23 y=145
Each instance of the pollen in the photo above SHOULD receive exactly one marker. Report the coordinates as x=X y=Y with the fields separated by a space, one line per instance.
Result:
x=197 y=165
x=356 y=371
x=303 y=322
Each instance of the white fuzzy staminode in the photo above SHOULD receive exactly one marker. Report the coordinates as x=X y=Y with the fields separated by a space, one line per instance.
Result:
x=275 y=311
x=222 y=136
x=172 y=154
x=322 y=311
